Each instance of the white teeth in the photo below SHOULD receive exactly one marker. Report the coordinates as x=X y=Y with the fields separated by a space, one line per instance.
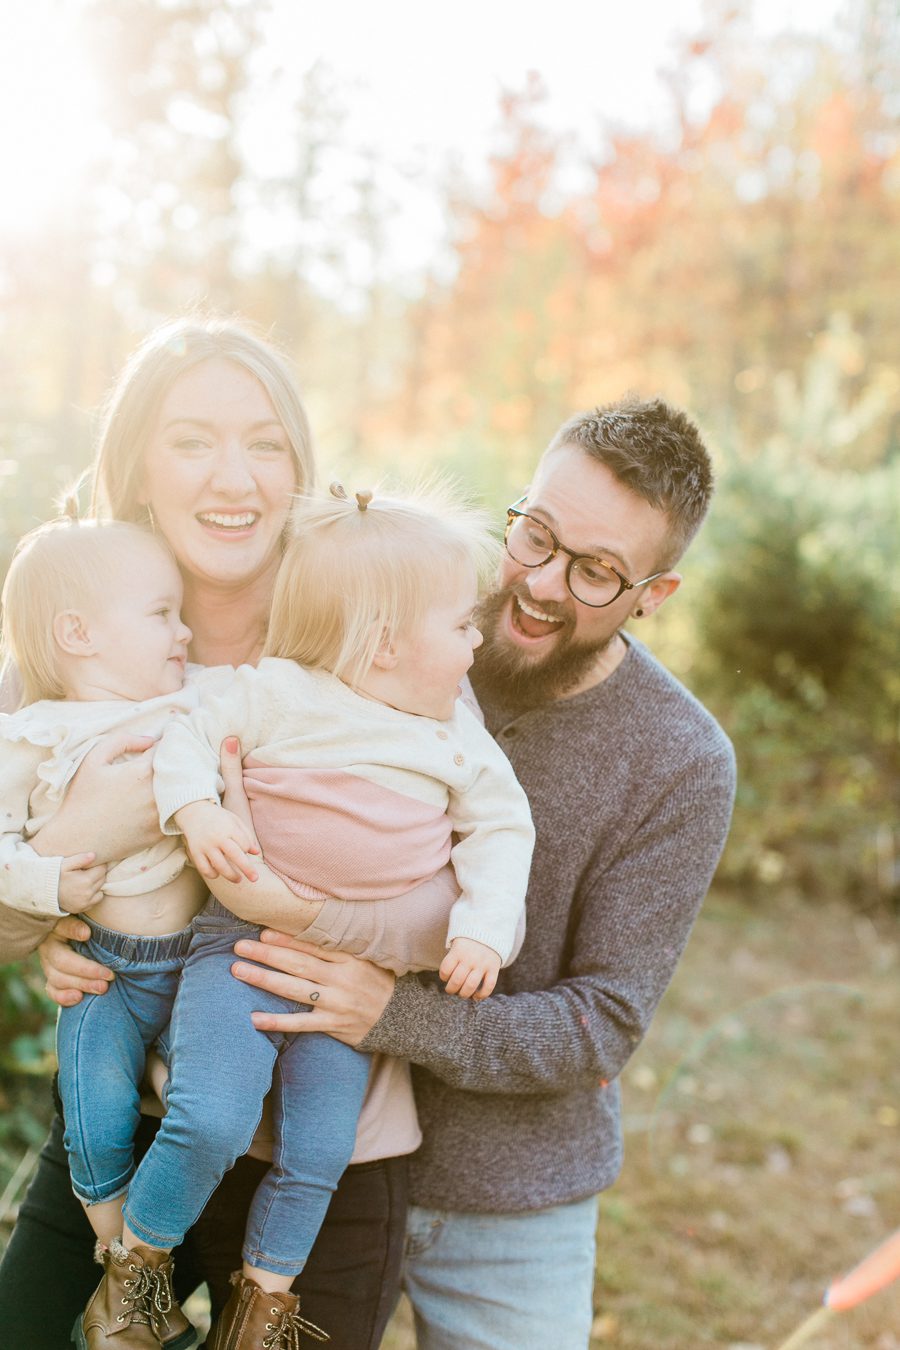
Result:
x=537 y=613
x=233 y=522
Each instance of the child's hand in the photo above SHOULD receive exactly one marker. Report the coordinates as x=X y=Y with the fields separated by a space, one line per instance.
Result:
x=217 y=841
x=80 y=883
x=470 y=968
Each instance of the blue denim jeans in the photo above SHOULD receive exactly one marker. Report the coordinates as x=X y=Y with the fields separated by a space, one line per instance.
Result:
x=502 y=1281
x=221 y=1070
x=102 y=1045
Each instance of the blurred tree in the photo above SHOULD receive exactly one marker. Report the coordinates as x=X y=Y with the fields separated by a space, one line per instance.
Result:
x=795 y=625
x=701 y=260
x=173 y=77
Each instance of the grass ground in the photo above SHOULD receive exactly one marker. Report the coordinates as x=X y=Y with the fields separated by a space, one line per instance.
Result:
x=763 y=1138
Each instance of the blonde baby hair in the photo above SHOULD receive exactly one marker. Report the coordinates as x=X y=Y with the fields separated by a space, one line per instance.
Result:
x=360 y=571
x=64 y=564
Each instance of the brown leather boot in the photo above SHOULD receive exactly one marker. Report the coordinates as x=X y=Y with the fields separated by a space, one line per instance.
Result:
x=133 y=1307
x=255 y=1320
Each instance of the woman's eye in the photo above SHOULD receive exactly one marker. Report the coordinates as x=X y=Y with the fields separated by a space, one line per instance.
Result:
x=190 y=443
x=269 y=447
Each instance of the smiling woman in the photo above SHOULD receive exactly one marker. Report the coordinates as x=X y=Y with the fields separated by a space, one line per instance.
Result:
x=218 y=472
x=205 y=439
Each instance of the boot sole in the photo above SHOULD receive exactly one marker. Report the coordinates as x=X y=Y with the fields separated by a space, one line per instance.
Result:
x=186 y=1341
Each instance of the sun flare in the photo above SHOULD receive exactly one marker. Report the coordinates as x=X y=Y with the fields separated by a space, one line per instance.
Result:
x=49 y=109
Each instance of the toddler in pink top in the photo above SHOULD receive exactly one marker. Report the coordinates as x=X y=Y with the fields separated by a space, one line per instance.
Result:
x=366 y=773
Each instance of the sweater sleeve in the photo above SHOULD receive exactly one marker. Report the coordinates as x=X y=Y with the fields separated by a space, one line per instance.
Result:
x=403 y=934
x=630 y=923
x=492 y=822
x=21 y=934
x=28 y=882
x=186 y=760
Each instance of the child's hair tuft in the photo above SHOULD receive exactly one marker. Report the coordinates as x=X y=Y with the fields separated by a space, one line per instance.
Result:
x=363 y=568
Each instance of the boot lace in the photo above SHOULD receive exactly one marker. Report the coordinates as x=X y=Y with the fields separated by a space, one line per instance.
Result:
x=137 y=1296
x=148 y=1297
x=162 y=1298
x=286 y=1332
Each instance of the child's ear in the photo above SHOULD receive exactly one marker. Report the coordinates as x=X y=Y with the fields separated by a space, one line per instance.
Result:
x=385 y=657
x=70 y=631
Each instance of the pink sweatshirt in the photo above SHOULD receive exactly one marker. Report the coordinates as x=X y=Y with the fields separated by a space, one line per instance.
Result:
x=356 y=799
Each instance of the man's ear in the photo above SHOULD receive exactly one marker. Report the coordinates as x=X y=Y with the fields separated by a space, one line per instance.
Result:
x=654 y=595
x=70 y=632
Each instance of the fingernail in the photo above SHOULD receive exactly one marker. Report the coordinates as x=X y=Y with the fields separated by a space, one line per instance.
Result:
x=231 y=744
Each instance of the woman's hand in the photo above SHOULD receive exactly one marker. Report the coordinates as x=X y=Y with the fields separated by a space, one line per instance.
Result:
x=347 y=995
x=91 y=817
x=234 y=798
x=69 y=974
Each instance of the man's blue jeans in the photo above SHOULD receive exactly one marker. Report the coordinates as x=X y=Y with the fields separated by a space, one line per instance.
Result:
x=221 y=1070
x=502 y=1281
x=102 y=1045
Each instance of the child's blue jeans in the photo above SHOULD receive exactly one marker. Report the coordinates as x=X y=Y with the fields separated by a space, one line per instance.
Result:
x=102 y=1045
x=221 y=1070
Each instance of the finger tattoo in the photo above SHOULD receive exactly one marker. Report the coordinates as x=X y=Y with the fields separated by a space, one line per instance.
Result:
x=313 y=998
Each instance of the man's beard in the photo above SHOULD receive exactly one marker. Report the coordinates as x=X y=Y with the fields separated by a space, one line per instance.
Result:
x=506 y=671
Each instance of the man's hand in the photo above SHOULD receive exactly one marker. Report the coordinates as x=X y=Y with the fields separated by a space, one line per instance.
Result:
x=347 y=995
x=470 y=969
x=69 y=974
x=218 y=841
x=91 y=811
x=80 y=882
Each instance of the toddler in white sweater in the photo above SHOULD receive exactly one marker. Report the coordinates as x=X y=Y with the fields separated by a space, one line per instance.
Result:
x=366 y=774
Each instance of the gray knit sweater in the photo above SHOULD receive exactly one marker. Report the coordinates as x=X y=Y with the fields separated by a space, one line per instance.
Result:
x=631 y=786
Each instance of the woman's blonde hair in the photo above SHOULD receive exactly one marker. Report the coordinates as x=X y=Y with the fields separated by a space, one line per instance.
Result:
x=131 y=411
x=359 y=573
x=65 y=564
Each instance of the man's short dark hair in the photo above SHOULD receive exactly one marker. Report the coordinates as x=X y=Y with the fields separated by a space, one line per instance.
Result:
x=654 y=450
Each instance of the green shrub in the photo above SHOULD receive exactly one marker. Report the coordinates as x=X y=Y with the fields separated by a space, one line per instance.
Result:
x=794 y=648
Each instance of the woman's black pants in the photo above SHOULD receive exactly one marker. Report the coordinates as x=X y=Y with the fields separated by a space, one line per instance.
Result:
x=349 y=1286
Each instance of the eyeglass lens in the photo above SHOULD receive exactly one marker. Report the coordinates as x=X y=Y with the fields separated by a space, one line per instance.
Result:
x=531 y=544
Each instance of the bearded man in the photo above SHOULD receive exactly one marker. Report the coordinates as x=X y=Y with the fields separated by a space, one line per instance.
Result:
x=631 y=784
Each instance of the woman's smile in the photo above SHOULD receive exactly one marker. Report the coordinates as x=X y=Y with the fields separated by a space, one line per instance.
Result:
x=219 y=473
